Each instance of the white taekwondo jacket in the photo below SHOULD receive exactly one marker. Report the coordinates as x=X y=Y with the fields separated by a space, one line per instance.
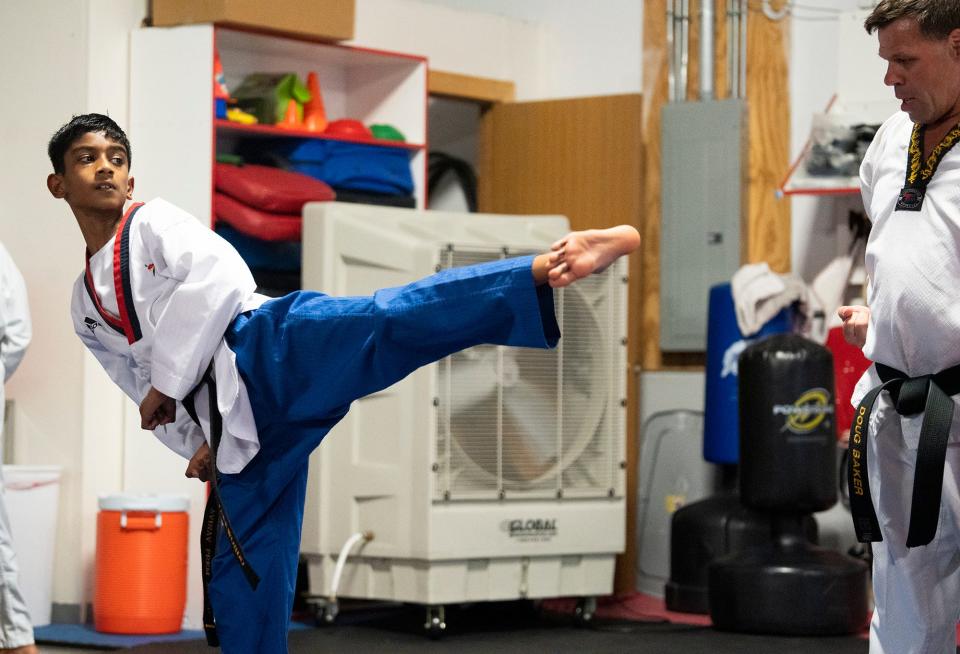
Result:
x=153 y=305
x=15 y=328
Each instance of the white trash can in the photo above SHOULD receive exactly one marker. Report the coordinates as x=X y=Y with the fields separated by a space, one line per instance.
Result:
x=31 y=497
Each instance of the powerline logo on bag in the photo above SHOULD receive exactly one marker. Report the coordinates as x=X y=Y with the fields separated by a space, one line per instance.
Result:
x=807 y=412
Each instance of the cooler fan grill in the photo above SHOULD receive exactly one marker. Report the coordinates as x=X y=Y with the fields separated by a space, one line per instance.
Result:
x=521 y=423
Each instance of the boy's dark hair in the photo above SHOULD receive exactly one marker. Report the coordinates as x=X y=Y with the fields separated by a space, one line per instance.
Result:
x=77 y=127
x=936 y=18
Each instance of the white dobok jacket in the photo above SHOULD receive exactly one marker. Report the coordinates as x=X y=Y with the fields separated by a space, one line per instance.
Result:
x=153 y=305
x=15 y=328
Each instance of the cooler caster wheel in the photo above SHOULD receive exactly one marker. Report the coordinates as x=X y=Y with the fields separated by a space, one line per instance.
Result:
x=435 y=623
x=325 y=613
x=586 y=607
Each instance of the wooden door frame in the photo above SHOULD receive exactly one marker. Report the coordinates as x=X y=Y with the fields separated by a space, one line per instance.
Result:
x=482 y=90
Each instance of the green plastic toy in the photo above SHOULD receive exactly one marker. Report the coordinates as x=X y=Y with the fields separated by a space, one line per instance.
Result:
x=267 y=95
x=387 y=132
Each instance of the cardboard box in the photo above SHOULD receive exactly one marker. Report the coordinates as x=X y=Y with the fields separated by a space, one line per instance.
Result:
x=329 y=20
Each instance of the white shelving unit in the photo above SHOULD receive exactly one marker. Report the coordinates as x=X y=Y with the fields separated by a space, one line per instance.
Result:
x=175 y=136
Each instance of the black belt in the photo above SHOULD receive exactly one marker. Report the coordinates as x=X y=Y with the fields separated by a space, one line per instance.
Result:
x=214 y=511
x=930 y=395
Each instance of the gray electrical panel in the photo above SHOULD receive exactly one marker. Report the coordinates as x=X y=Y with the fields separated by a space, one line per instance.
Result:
x=703 y=173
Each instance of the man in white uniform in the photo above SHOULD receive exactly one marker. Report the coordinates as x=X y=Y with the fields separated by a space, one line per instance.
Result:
x=16 y=632
x=907 y=500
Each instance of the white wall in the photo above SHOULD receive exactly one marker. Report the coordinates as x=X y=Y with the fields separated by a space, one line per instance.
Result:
x=830 y=57
x=67 y=411
x=48 y=387
x=587 y=48
x=57 y=390
x=453 y=40
x=548 y=48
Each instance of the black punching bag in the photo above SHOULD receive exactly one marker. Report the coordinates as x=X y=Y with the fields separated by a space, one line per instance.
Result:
x=787 y=469
x=788 y=443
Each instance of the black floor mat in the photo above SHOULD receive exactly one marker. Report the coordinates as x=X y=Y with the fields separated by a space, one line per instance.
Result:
x=516 y=627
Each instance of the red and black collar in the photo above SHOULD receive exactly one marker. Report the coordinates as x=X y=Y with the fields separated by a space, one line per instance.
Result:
x=127 y=324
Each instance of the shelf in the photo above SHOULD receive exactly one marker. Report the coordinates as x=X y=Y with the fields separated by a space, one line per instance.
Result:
x=269 y=131
x=799 y=182
x=367 y=85
x=821 y=186
x=171 y=101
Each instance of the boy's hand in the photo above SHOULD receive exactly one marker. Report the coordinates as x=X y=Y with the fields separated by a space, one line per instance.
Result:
x=199 y=466
x=157 y=409
x=855 y=319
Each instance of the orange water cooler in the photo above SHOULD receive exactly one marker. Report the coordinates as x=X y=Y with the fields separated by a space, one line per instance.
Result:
x=141 y=567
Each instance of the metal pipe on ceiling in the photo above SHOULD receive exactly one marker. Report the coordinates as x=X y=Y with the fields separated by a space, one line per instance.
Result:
x=671 y=53
x=742 y=35
x=684 y=46
x=731 y=49
x=706 y=50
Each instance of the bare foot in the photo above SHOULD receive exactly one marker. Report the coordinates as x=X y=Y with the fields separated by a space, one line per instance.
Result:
x=579 y=254
x=26 y=649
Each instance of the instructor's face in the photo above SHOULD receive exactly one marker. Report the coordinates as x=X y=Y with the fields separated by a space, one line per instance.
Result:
x=924 y=72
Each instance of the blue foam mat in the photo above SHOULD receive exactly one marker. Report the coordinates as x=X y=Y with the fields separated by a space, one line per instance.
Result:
x=84 y=634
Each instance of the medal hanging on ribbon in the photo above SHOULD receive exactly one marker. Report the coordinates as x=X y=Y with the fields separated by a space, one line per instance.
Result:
x=911 y=199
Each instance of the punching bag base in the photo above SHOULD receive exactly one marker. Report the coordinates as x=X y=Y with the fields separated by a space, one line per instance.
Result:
x=704 y=530
x=685 y=598
x=794 y=590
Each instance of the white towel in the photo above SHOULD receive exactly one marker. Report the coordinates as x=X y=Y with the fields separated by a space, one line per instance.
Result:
x=759 y=294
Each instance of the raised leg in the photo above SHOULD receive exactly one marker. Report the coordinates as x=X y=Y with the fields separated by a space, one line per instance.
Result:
x=305 y=357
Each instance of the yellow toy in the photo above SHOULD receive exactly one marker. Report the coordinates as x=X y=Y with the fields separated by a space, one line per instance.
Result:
x=240 y=116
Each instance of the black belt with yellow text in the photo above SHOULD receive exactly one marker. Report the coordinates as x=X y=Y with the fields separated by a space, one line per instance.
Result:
x=214 y=512
x=927 y=394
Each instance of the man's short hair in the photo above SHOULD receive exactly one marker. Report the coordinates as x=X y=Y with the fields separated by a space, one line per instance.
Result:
x=936 y=18
x=77 y=127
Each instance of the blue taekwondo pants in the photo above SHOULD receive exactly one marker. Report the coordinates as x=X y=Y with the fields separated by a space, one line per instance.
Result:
x=304 y=358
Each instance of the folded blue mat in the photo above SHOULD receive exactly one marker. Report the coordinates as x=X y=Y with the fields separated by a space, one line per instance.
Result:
x=84 y=634
x=266 y=255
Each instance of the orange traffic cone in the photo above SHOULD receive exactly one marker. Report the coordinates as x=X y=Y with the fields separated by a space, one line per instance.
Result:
x=314 y=113
x=291 y=119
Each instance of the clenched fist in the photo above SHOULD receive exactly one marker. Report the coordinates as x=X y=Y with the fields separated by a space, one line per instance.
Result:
x=200 y=464
x=855 y=319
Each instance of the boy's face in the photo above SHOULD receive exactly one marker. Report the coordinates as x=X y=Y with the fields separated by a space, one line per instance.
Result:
x=96 y=175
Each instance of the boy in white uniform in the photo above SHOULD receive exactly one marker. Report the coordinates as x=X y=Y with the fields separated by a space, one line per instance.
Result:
x=905 y=444
x=169 y=309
